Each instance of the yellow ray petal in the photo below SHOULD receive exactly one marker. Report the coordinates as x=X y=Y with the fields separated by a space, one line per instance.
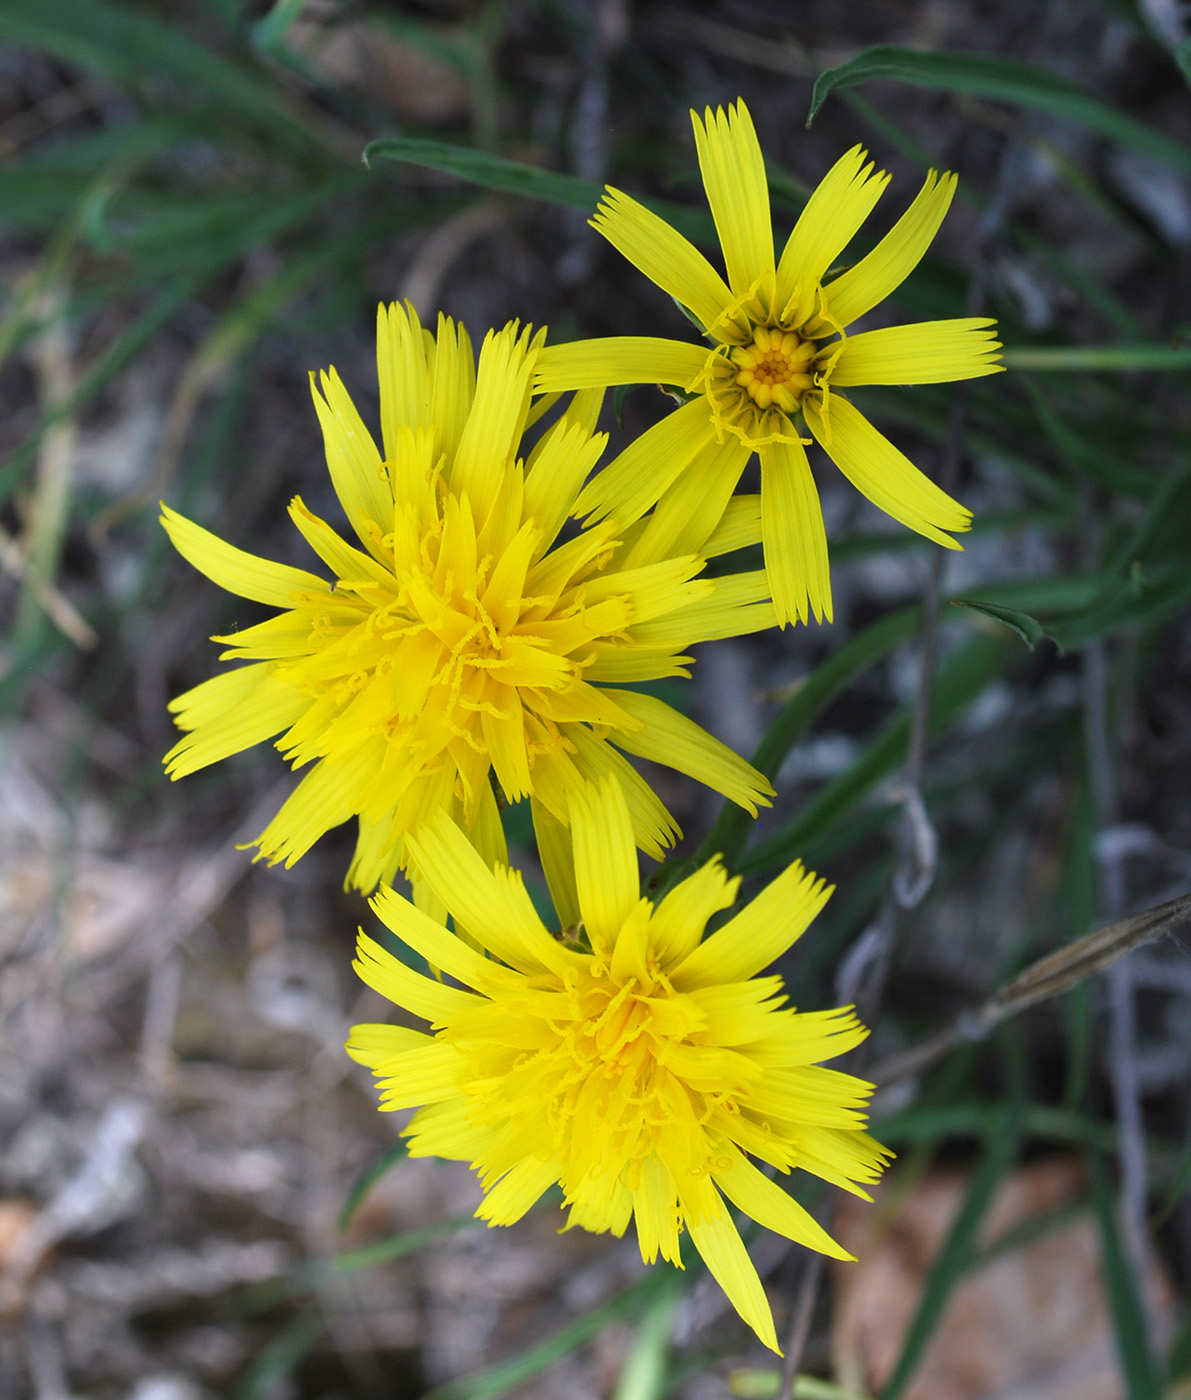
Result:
x=584 y=408
x=630 y=484
x=213 y=699
x=429 y=1075
x=745 y=945
x=326 y=796
x=487 y=833
x=238 y=571
x=655 y=1210
x=693 y=507
x=558 y=863
x=606 y=874
x=440 y=948
x=844 y=199
x=357 y=472
x=653 y=589
x=888 y=265
x=808 y=1037
x=618 y=663
x=493 y=429
x=739 y=527
x=433 y=1001
x=446 y=1130
x=679 y=920
x=618 y=359
x=662 y=254
x=556 y=475
x=734 y=178
x=453 y=383
x=654 y=829
x=347 y=564
x=492 y=904
x=739 y=605
x=886 y=476
x=504 y=738
x=402 y=373
x=290 y=633
x=812 y=1095
x=765 y=1201
x=373 y=1043
x=518 y=1191
x=728 y=1261
x=928 y=352
x=793 y=535
x=270 y=707
x=669 y=737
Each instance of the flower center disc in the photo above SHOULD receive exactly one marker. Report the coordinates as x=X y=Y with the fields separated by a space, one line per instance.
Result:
x=774 y=369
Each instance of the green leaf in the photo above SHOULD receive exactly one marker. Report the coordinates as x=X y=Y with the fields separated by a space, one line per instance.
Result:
x=1123 y=358
x=1001 y=80
x=953 y=1257
x=1182 y=56
x=530 y=181
x=394 y=1153
x=1029 y=629
x=1124 y=1302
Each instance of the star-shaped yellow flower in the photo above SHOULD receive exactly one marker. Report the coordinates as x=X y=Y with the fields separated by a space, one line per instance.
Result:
x=780 y=353
x=465 y=638
x=635 y=1062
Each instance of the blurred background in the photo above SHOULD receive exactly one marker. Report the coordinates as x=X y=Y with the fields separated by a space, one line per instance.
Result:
x=197 y=1195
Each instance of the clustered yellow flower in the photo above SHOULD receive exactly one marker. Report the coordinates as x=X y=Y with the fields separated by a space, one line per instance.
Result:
x=638 y=1068
x=479 y=645
x=779 y=353
x=465 y=637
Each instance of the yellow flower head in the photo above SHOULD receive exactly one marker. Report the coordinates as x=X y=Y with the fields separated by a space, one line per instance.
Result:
x=463 y=638
x=780 y=352
x=637 y=1064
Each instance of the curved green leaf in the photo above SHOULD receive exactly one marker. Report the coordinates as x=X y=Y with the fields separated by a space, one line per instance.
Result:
x=530 y=181
x=1028 y=628
x=1002 y=80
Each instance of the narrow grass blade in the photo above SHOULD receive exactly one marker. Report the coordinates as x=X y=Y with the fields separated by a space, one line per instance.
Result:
x=812 y=697
x=388 y=1159
x=125 y=43
x=1138 y=1370
x=1001 y=80
x=1081 y=454
x=498 y=1380
x=370 y=1255
x=962 y=678
x=1083 y=358
x=953 y=1258
x=765 y=1383
x=278 y=1360
x=530 y=181
x=1028 y=628
x=646 y=1368
x=123 y=349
